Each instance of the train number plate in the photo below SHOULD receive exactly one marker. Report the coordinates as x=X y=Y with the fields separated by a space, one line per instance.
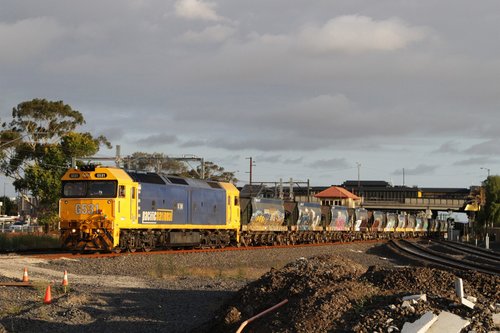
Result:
x=86 y=209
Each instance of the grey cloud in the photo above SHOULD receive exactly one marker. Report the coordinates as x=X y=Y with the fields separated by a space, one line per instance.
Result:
x=478 y=161
x=285 y=142
x=448 y=147
x=193 y=144
x=212 y=34
x=268 y=158
x=156 y=140
x=196 y=10
x=489 y=147
x=113 y=134
x=356 y=34
x=240 y=77
x=421 y=169
x=291 y=161
x=25 y=40
x=227 y=160
x=333 y=164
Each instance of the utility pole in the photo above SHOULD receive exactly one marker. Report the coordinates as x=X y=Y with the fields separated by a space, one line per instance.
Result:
x=359 y=173
x=4 y=209
x=403 y=177
x=487 y=222
x=118 y=157
x=251 y=165
x=359 y=179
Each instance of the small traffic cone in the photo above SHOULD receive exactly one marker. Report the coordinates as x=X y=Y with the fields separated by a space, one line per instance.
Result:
x=65 y=281
x=25 y=275
x=48 y=296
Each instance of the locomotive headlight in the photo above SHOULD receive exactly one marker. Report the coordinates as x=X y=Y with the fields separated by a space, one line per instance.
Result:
x=73 y=230
x=98 y=231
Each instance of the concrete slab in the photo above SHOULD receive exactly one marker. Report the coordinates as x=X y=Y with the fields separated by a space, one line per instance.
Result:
x=459 y=287
x=449 y=323
x=472 y=299
x=467 y=303
x=420 y=325
x=421 y=297
x=496 y=320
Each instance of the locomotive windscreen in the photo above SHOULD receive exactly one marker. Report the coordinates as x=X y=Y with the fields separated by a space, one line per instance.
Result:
x=89 y=189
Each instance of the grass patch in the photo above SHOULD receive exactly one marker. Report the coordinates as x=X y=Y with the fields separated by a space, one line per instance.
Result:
x=237 y=273
x=20 y=242
x=164 y=267
x=167 y=268
x=11 y=311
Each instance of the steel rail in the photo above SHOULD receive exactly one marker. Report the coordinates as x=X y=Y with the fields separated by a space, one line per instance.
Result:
x=493 y=268
x=440 y=259
x=467 y=247
x=480 y=254
x=478 y=265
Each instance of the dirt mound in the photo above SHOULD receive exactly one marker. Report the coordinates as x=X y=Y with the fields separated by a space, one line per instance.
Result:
x=333 y=294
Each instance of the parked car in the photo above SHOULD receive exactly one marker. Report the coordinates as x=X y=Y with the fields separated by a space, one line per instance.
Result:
x=18 y=226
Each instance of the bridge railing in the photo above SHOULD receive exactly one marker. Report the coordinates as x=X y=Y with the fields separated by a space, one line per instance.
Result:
x=452 y=203
x=416 y=203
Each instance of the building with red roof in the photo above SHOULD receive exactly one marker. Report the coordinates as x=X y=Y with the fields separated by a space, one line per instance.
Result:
x=338 y=196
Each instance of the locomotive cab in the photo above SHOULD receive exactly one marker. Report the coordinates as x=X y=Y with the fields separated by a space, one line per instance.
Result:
x=93 y=201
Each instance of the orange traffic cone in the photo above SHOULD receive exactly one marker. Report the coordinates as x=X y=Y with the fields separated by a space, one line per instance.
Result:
x=25 y=275
x=48 y=297
x=65 y=279
x=65 y=282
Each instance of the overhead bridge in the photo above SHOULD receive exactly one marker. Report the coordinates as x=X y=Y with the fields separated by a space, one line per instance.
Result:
x=416 y=204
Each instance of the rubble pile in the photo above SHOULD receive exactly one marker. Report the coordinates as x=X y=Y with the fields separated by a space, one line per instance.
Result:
x=333 y=294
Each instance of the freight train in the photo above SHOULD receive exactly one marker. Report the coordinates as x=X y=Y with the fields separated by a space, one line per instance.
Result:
x=112 y=209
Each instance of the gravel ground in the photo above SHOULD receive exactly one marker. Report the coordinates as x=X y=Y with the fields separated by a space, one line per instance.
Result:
x=195 y=292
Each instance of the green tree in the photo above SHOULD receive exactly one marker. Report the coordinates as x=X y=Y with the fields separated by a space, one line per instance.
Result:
x=8 y=206
x=214 y=172
x=490 y=212
x=36 y=149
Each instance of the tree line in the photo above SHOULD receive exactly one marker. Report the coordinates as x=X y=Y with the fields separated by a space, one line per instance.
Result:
x=37 y=146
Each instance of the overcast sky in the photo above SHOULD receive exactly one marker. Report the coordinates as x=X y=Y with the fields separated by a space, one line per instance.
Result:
x=308 y=89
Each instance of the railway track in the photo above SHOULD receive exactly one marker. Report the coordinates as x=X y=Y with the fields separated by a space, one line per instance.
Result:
x=423 y=252
x=472 y=250
x=57 y=255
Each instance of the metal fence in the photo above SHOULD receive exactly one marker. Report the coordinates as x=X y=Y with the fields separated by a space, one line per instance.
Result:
x=7 y=228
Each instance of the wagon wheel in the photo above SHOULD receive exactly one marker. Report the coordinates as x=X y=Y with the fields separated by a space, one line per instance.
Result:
x=148 y=243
